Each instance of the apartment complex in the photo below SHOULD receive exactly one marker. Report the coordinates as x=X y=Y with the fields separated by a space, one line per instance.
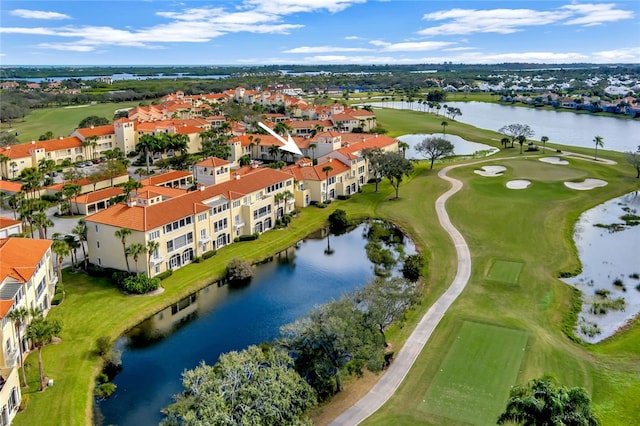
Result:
x=187 y=225
x=27 y=280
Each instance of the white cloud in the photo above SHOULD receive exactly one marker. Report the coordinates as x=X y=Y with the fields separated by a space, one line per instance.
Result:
x=507 y=21
x=354 y=38
x=596 y=14
x=627 y=55
x=501 y=21
x=340 y=59
x=324 y=49
x=38 y=14
x=417 y=46
x=287 y=7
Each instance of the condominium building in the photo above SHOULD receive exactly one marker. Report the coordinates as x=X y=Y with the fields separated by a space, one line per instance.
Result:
x=188 y=225
x=27 y=280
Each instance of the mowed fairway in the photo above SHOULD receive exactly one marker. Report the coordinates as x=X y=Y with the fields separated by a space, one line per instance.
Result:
x=476 y=374
x=505 y=271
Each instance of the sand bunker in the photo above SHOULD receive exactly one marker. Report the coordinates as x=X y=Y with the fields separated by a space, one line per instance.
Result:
x=586 y=184
x=518 y=184
x=490 y=171
x=554 y=160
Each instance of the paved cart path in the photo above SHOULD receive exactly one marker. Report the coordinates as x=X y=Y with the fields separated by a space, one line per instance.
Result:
x=393 y=376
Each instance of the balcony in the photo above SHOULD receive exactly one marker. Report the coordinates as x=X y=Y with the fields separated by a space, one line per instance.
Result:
x=156 y=260
x=205 y=239
x=11 y=357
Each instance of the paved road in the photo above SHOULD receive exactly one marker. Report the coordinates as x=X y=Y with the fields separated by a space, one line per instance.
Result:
x=389 y=382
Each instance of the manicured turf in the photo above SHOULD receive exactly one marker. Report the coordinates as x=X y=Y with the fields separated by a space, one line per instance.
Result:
x=505 y=271
x=475 y=376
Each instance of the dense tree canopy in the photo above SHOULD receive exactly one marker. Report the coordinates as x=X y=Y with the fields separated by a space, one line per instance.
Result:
x=543 y=403
x=257 y=386
x=93 y=120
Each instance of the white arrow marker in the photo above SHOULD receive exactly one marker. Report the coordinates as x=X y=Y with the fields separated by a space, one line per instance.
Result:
x=289 y=144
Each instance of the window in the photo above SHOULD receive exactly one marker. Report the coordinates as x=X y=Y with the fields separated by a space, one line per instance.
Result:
x=97 y=244
x=178 y=224
x=203 y=233
x=153 y=235
x=236 y=204
x=202 y=217
x=179 y=242
x=262 y=211
x=220 y=225
x=40 y=288
x=99 y=261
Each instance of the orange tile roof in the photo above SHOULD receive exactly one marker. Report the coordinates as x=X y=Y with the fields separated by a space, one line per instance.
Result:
x=307 y=172
x=165 y=191
x=96 y=131
x=24 y=149
x=99 y=195
x=20 y=257
x=5 y=306
x=8 y=186
x=212 y=162
x=6 y=222
x=165 y=177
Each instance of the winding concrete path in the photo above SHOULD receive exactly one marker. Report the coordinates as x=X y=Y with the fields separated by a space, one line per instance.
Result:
x=395 y=374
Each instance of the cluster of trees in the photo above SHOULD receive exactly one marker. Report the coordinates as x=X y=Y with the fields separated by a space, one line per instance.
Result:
x=391 y=165
x=279 y=381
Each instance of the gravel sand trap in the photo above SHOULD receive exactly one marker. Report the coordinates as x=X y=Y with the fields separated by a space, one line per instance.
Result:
x=554 y=160
x=518 y=184
x=491 y=171
x=586 y=184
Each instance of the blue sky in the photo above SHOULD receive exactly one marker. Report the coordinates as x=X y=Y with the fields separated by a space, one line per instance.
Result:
x=229 y=32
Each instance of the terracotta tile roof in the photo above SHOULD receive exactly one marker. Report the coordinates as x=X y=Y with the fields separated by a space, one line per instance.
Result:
x=6 y=222
x=8 y=186
x=165 y=191
x=20 y=257
x=165 y=177
x=5 y=306
x=307 y=172
x=96 y=131
x=99 y=195
x=24 y=149
x=212 y=162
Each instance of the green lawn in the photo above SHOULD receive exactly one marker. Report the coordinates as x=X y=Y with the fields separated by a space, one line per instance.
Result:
x=505 y=271
x=61 y=121
x=532 y=227
x=476 y=392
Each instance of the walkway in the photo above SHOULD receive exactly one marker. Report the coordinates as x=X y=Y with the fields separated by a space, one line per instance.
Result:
x=395 y=374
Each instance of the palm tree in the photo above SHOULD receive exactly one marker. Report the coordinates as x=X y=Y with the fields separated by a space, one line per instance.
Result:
x=41 y=331
x=312 y=147
x=444 y=125
x=521 y=140
x=123 y=233
x=81 y=231
x=43 y=223
x=327 y=170
x=32 y=178
x=61 y=249
x=285 y=197
x=544 y=140
x=146 y=144
x=4 y=160
x=18 y=316
x=14 y=168
x=152 y=246
x=135 y=250
x=403 y=146
x=273 y=151
x=504 y=142
x=599 y=143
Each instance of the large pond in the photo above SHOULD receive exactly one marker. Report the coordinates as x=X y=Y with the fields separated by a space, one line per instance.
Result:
x=609 y=249
x=220 y=319
x=562 y=127
x=461 y=146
